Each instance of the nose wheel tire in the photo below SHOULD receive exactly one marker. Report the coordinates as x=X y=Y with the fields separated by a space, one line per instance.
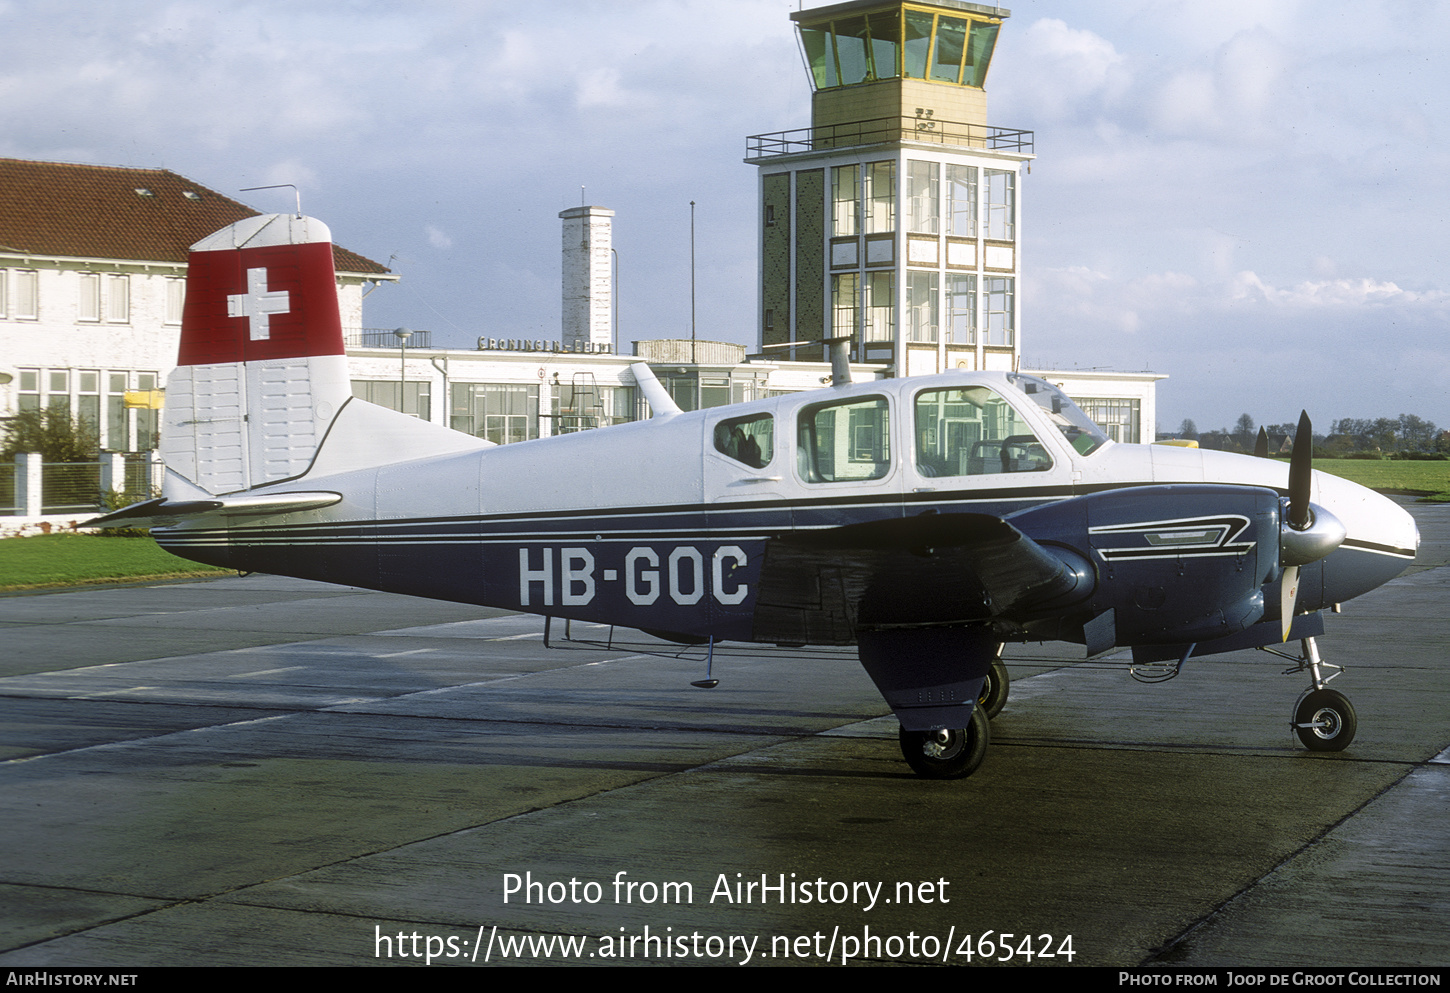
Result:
x=1325 y=721
x=994 y=689
x=953 y=753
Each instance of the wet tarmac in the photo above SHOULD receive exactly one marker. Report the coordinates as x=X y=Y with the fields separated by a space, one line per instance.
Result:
x=265 y=771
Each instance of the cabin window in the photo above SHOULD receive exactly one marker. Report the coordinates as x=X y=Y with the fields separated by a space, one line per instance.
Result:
x=974 y=432
x=750 y=440
x=847 y=441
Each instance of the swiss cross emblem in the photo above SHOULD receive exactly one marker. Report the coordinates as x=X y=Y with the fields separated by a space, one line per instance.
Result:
x=257 y=305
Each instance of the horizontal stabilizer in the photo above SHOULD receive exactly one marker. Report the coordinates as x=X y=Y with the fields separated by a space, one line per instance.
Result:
x=924 y=571
x=163 y=511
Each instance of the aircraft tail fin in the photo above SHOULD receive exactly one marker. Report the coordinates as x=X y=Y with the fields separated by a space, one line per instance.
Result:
x=262 y=369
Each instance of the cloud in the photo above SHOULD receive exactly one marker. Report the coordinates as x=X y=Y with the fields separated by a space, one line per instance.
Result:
x=1336 y=293
x=437 y=237
x=1072 y=71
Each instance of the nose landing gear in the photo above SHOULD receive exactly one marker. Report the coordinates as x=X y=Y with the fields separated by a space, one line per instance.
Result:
x=1324 y=719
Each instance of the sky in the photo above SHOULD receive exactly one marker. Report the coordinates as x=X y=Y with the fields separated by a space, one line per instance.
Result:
x=1248 y=197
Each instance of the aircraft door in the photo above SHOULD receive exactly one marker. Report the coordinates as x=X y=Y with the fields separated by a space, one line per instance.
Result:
x=748 y=490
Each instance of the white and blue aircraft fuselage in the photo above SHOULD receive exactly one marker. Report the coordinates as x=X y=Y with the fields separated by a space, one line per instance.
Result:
x=926 y=519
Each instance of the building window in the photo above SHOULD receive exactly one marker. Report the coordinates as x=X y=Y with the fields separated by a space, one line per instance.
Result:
x=583 y=405
x=880 y=307
x=880 y=197
x=500 y=413
x=57 y=392
x=29 y=393
x=1120 y=418
x=88 y=399
x=921 y=306
x=1001 y=307
x=845 y=200
x=117 y=437
x=27 y=294
x=148 y=419
x=4 y=285
x=175 y=300
x=412 y=397
x=118 y=299
x=1001 y=203
x=961 y=309
x=962 y=201
x=921 y=190
x=845 y=300
x=88 y=307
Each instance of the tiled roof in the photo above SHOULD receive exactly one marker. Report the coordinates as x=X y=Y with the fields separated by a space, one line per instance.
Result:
x=108 y=212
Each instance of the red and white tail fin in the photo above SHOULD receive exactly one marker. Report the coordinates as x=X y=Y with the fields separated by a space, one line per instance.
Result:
x=262 y=369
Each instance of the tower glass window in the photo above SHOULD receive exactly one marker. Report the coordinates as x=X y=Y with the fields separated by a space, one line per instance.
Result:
x=921 y=306
x=949 y=45
x=961 y=309
x=961 y=200
x=1001 y=306
x=845 y=300
x=1001 y=203
x=921 y=189
x=845 y=200
x=900 y=40
x=880 y=197
x=880 y=307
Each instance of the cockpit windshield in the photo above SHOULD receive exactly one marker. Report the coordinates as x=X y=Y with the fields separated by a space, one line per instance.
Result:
x=1081 y=433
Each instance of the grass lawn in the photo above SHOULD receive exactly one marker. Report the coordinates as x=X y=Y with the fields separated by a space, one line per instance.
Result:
x=77 y=559
x=1430 y=480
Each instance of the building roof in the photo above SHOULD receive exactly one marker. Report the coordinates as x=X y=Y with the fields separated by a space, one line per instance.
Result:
x=60 y=209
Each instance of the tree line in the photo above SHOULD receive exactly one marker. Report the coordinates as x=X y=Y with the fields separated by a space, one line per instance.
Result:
x=1406 y=435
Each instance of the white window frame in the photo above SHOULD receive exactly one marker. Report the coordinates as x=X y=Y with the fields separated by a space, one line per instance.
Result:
x=118 y=299
x=88 y=298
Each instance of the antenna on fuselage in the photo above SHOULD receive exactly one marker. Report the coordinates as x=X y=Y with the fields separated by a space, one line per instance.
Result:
x=840 y=359
x=839 y=350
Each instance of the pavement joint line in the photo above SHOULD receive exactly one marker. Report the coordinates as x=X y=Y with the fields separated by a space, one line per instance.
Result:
x=113 y=745
x=1166 y=949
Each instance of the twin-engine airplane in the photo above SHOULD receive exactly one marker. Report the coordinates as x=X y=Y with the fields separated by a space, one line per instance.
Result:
x=926 y=520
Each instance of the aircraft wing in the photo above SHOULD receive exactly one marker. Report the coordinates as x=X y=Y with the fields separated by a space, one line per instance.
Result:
x=933 y=570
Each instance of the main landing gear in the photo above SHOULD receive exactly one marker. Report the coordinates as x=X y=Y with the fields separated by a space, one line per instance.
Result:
x=952 y=753
x=955 y=753
x=1324 y=719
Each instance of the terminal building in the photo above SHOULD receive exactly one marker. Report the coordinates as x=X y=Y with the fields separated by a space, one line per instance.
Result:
x=894 y=220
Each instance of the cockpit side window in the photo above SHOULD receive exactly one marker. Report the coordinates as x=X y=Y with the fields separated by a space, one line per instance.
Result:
x=750 y=440
x=844 y=441
x=974 y=432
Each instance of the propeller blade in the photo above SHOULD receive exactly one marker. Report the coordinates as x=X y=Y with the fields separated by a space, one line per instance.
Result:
x=1288 y=595
x=1301 y=473
x=1261 y=447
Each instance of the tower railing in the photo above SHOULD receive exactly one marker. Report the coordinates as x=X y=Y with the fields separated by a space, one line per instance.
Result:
x=383 y=338
x=888 y=130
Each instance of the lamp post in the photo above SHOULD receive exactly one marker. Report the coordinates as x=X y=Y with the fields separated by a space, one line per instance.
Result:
x=402 y=334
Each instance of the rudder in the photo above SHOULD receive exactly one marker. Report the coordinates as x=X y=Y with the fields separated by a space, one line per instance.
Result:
x=262 y=368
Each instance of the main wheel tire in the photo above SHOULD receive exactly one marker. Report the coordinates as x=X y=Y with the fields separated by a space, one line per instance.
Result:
x=994 y=689
x=950 y=754
x=1325 y=721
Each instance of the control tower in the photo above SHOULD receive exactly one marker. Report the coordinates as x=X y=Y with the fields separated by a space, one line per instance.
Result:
x=895 y=218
